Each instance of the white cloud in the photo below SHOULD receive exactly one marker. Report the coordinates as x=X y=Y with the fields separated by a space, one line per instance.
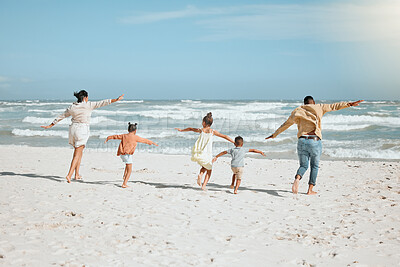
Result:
x=340 y=22
x=4 y=79
x=189 y=11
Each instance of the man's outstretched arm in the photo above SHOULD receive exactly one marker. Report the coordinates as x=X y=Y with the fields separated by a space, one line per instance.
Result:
x=289 y=122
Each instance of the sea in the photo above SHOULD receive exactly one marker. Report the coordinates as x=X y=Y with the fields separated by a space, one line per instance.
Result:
x=370 y=131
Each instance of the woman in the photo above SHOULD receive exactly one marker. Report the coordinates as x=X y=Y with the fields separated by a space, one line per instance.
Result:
x=79 y=128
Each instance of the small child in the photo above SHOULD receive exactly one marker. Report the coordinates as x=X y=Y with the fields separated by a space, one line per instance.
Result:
x=127 y=148
x=202 y=149
x=237 y=163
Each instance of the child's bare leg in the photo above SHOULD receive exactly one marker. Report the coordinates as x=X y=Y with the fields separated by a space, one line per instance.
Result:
x=233 y=181
x=202 y=171
x=128 y=171
x=237 y=185
x=208 y=175
x=78 y=165
x=74 y=162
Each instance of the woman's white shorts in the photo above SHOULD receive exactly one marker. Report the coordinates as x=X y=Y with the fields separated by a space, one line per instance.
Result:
x=78 y=134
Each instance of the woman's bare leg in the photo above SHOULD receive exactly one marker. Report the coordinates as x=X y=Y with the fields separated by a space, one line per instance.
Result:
x=208 y=175
x=74 y=162
x=78 y=165
x=128 y=171
x=202 y=171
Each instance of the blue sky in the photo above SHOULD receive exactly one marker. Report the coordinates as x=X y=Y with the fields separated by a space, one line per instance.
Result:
x=200 y=49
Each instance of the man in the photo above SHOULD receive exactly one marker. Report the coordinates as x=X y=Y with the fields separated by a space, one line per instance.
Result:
x=309 y=146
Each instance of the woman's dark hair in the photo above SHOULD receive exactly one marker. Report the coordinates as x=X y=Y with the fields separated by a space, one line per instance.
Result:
x=208 y=119
x=80 y=95
x=131 y=127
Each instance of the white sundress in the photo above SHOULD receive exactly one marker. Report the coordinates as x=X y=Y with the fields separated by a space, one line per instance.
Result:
x=202 y=150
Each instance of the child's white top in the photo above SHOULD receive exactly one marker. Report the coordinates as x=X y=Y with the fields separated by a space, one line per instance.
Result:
x=202 y=150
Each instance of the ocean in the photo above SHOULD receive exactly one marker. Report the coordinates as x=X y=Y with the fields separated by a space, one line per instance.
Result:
x=370 y=131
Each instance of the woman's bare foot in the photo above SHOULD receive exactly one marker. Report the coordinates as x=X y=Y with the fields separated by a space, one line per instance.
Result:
x=78 y=177
x=199 y=179
x=68 y=179
x=124 y=186
x=235 y=192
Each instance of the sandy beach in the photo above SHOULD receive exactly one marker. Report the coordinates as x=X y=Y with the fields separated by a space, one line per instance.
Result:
x=164 y=219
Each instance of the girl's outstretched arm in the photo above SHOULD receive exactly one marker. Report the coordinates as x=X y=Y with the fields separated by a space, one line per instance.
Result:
x=219 y=155
x=256 y=151
x=223 y=136
x=197 y=130
x=117 y=136
x=145 y=141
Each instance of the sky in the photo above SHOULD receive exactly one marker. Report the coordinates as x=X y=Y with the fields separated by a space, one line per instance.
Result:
x=200 y=49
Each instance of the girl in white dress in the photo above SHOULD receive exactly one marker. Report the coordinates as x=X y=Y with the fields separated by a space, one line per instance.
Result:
x=202 y=149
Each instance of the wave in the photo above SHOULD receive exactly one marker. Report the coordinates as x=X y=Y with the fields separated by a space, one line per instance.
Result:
x=346 y=127
x=362 y=153
x=27 y=132
x=45 y=121
x=131 y=101
x=190 y=101
x=350 y=119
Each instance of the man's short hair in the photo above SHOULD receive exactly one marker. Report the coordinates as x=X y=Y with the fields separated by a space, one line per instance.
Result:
x=308 y=99
x=239 y=140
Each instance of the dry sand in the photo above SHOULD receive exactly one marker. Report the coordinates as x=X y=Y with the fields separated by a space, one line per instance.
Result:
x=164 y=219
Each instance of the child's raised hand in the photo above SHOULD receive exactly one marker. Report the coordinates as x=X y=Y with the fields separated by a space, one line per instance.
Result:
x=155 y=144
x=262 y=153
x=178 y=129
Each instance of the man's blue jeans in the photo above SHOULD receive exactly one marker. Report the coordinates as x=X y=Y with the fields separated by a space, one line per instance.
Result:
x=309 y=152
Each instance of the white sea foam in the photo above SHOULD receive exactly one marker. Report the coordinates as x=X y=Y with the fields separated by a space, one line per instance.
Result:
x=27 y=132
x=344 y=127
x=45 y=121
x=190 y=101
x=347 y=119
x=131 y=101
x=362 y=153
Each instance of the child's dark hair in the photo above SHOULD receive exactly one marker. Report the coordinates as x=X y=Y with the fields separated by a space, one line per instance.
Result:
x=238 y=140
x=208 y=119
x=81 y=95
x=131 y=127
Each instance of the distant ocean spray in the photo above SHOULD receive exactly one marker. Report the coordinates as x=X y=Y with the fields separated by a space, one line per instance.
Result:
x=370 y=131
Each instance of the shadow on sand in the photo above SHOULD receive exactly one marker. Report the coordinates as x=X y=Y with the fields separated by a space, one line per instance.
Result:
x=210 y=186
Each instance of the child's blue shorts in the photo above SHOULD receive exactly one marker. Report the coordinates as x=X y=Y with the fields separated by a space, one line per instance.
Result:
x=127 y=159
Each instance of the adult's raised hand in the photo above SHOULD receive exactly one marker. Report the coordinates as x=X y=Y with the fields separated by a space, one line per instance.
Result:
x=356 y=103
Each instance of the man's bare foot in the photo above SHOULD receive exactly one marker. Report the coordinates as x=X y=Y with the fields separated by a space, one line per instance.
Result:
x=199 y=180
x=124 y=186
x=310 y=192
x=295 y=187
x=68 y=179
x=232 y=186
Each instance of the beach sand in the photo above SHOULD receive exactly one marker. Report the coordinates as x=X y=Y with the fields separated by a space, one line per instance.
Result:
x=164 y=219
